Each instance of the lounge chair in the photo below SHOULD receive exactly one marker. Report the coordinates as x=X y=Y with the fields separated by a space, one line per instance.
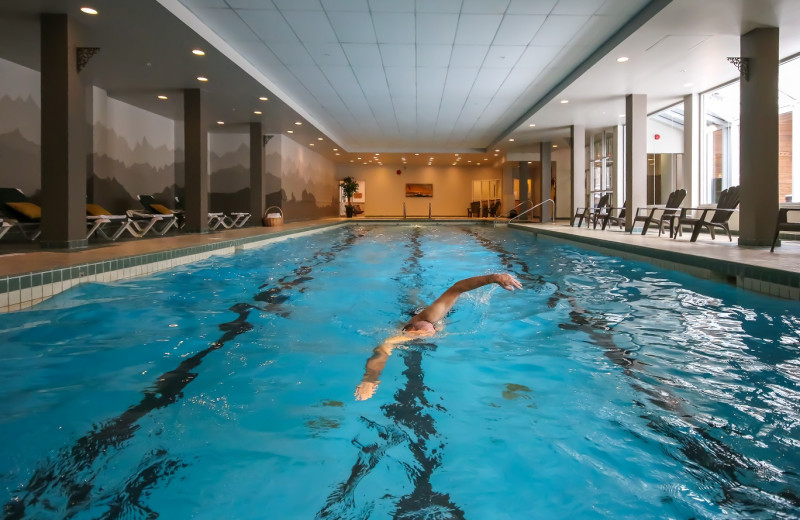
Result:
x=115 y=225
x=783 y=224
x=668 y=213
x=357 y=209
x=494 y=209
x=474 y=209
x=619 y=220
x=726 y=205
x=592 y=214
x=5 y=227
x=153 y=207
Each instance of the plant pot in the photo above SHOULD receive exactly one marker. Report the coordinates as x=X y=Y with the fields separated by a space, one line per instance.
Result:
x=348 y=210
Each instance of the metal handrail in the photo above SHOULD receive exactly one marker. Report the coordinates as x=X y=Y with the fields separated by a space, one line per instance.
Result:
x=552 y=218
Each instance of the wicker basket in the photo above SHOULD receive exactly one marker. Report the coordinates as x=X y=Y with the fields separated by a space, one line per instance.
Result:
x=274 y=218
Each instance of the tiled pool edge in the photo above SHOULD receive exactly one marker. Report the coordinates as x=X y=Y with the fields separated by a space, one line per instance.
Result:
x=18 y=292
x=773 y=282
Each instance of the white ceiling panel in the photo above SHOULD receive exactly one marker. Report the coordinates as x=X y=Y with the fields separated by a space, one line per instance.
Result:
x=394 y=28
x=518 y=30
x=392 y=6
x=559 y=30
x=459 y=82
x=298 y=5
x=531 y=6
x=441 y=6
x=433 y=55
x=537 y=56
x=353 y=27
x=401 y=80
x=622 y=8
x=266 y=5
x=362 y=55
x=373 y=84
x=430 y=84
x=436 y=28
x=291 y=54
x=399 y=54
x=475 y=29
x=484 y=6
x=269 y=26
x=311 y=26
x=468 y=55
x=327 y=54
x=488 y=81
x=314 y=80
x=503 y=56
x=573 y=7
x=345 y=5
x=226 y=22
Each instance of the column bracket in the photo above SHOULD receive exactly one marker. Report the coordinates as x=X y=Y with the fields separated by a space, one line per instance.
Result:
x=742 y=64
x=84 y=54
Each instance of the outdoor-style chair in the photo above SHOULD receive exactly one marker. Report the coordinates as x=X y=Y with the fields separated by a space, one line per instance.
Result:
x=495 y=209
x=590 y=214
x=668 y=213
x=619 y=220
x=783 y=224
x=726 y=205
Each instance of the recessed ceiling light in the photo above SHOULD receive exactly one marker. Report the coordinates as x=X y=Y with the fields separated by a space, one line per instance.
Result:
x=496 y=155
x=564 y=101
x=257 y=112
x=351 y=160
x=512 y=139
x=622 y=59
x=688 y=84
x=263 y=98
x=162 y=97
x=88 y=10
x=198 y=52
x=290 y=131
x=555 y=146
x=319 y=139
x=416 y=154
x=532 y=124
x=220 y=122
x=202 y=78
x=337 y=153
x=359 y=158
x=310 y=144
x=622 y=115
x=497 y=150
x=298 y=123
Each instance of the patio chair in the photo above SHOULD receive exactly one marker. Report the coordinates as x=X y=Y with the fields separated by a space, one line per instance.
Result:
x=668 y=213
x=783 y=224
x=726 y=205
x=113 y=226
x=20 y=213
x=495 y=209
x=619 y=220
x=590 y=215
x=474 y=209
x=5 y=227
x=154 y=207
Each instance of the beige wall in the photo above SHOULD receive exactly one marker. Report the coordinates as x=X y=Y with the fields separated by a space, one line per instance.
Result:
x=385 y=190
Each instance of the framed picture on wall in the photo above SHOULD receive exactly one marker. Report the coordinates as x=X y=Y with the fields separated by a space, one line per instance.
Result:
x=359 y=197
x=419 y=190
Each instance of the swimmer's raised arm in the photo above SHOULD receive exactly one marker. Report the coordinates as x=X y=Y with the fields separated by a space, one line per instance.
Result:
x=438 y=309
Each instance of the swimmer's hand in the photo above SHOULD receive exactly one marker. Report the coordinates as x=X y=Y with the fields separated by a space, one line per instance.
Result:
x=365 y=390
x=507 y=282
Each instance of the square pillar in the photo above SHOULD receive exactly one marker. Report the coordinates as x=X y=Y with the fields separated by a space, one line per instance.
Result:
x=758 y=138
x=524 y=177
x=257 y=144
x=692 y=134
x=195 y=132
x=577 y=167
x=65 y=136
x=548 y=209
x=635 y=156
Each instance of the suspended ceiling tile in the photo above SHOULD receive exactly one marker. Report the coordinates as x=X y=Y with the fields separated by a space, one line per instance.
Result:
x=330 y=54
x=436 y=28
x=531 y=6
x=269 y=26
x=298 y=5
x=398 y=54
x=345 y=5
x=559 y=30
x=401 y=80
x=291 y=54
x=484 y=6
x=503 y=56
x=227 y=23
x=264 y=5
x=433 y=55
x=311 y=26
x=477 y=28
x=394 y=27
x=488 y=81
x=573 y=7
x=392 y=6
x=353 y=27
x=468 y=55
x=537 y=57
x=518 y=30
x=441 y=6
x=362 y=55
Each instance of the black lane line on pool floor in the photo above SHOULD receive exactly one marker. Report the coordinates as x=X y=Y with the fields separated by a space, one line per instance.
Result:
x=407 y=414
x=69 y=471
x=707 y=452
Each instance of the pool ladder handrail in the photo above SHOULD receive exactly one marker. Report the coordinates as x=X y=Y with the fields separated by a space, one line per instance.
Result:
x=533 y=207
x=529 y=201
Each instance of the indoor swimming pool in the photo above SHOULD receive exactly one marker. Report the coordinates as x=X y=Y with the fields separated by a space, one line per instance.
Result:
x=605 y=388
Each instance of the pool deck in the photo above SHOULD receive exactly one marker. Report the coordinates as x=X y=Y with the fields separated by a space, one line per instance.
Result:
x=29 y=275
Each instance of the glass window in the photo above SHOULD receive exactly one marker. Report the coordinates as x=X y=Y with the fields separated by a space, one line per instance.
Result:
x=720 y=144
x=665 y=154
x=601 y=165
x=788 y=106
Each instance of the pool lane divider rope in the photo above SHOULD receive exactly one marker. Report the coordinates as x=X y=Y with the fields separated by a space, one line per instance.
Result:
x=407 y=414
x=68 y=472
x=708 y=452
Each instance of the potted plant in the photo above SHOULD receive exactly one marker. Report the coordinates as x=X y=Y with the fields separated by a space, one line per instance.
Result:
x=349 y=188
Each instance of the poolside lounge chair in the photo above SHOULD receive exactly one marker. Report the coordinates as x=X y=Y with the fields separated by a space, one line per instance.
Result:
x=153 y=207
x=782 y=224
x=494 y=209
x=5 y=227
x=668 y=213
x=619 y=220
x=20 y=213
x=474 y=209
x=115 y=225
x=590 y=213
x=726 y=205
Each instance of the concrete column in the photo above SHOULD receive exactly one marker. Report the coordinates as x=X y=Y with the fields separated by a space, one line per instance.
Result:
x=507 y=201
x=524 y=177
x=795 y=154
x=65 y=144
x=635 y=155
x=544 y=157
x=692 y=134
x=256 y=172
x=195 y=131
x=758 y=145
x=577 y=167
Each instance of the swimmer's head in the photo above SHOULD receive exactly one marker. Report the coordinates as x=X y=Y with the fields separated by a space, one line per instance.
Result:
x=420 y=328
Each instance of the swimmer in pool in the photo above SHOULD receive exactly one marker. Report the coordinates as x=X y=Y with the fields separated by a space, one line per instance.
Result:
x=424 y=324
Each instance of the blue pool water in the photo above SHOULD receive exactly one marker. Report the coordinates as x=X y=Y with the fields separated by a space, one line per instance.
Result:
x=225 y=389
